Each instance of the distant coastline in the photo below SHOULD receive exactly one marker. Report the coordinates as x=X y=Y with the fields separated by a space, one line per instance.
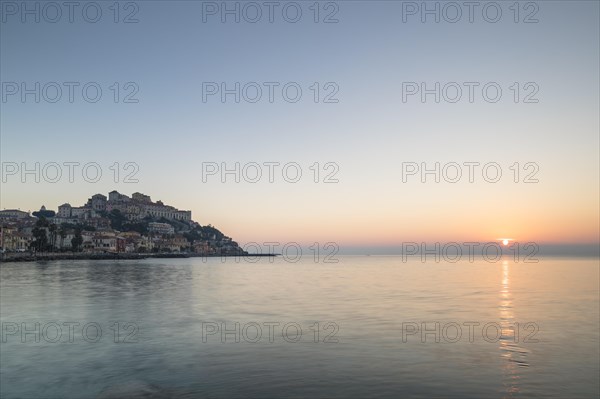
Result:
x=28 y=257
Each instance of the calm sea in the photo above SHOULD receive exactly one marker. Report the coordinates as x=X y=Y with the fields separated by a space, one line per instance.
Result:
x=363 y=327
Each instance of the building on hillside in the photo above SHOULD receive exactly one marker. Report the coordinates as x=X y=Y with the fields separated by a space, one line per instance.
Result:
x=115 y=196
x=60 y=220
x=78 y=212
x=13 y=214
x=158 y=210
x=11 y=239
x=65 y=242
x=143 y=244
x=201 y=247
x=161 y=228
x=64 y=211
x=134 y=211
x=140 y=205
x=88 y=241
x=179 y=242
x=97 y=202
x=107 y=242
x=139 y=197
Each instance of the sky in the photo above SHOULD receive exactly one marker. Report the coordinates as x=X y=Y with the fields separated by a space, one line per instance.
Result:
x=162 y=123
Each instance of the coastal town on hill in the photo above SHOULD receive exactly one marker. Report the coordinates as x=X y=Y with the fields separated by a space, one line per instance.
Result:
x=113 y=225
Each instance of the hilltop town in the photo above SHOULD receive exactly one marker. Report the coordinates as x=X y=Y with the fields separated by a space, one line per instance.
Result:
x=116 y=224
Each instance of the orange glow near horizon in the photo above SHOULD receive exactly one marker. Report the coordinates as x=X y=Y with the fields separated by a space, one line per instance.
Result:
x=359 y=218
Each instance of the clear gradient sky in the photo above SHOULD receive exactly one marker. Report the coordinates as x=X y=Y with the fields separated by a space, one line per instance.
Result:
x=369 y=133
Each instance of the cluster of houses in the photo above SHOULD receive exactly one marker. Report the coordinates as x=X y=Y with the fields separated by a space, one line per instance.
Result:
x=90 y=229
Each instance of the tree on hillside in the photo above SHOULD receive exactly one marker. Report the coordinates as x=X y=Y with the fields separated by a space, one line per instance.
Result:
x=40 y=236
x=52 y=230
x=43 y=213
x=62 y=232
x=117 y=219
x=77 y=240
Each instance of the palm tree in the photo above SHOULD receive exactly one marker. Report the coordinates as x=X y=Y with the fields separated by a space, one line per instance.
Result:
x=40 y=240
x=52 y=231
x=62 y=232
x=77 y=240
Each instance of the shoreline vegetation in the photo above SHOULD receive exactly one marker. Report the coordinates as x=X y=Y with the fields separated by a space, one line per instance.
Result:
x=28 y=257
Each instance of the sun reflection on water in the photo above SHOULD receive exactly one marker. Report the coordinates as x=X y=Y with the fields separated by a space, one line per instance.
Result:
x=510 y=350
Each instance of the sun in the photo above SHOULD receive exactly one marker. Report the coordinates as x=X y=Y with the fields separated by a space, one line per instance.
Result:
x=505 y=241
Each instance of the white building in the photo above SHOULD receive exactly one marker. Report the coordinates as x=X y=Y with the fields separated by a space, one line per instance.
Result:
x=78 y=212
x=161 y=228
x=64 y=211
x=13 y=214
x=159 y=210
x=105 y=242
